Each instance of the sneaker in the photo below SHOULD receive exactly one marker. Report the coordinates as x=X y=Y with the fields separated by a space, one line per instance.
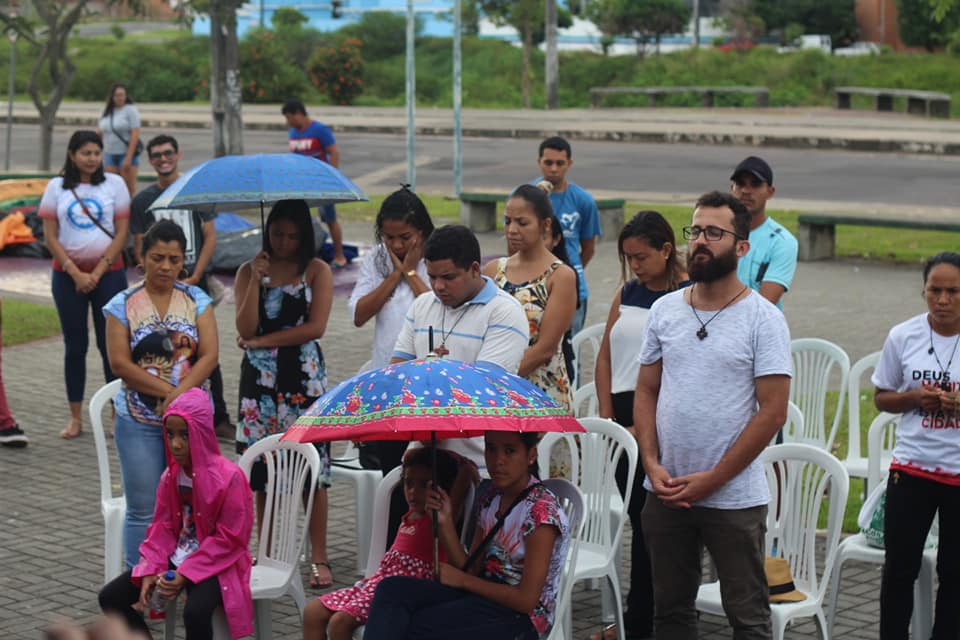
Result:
x=226 y=430
x=13 y=437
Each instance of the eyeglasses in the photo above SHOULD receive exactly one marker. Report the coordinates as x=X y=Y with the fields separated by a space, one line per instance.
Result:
x=168 y=153
x=711 y=233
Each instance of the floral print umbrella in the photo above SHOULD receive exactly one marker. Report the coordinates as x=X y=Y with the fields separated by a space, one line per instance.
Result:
x=423 y=399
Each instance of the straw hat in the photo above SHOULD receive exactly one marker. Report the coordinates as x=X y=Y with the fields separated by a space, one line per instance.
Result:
x=780 y=581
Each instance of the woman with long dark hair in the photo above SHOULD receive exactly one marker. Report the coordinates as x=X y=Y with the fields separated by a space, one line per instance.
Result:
x=651 y=268
x=86 y=216
x=119 y=126
x=283 y=303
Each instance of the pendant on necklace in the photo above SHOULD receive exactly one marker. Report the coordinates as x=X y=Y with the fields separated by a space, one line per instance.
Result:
x=441 y=350
x=702 y=333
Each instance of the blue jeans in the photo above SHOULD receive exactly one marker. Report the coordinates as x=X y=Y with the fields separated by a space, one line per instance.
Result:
x=116 y=160
x=74 y=309
x=426 y=610
x=142 y=461
x=579 y=318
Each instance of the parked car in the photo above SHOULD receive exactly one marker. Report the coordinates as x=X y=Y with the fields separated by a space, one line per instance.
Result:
x=809 y=41
x=737 y=44
x=859 y=49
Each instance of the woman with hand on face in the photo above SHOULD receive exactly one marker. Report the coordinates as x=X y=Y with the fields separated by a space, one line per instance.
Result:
x=86 y=215
x=544 y=286
x=119 y=126
x=393 y=274
x=162 y=340
x=919 y=376
x=648 y=253
x=283 y=304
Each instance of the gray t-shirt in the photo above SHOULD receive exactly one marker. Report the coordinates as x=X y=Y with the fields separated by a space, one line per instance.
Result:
x=708 y=388
x=124 y=119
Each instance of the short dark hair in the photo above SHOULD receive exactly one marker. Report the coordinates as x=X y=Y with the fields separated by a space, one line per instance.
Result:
x=163 y=138
x=945 y=257
x=71 y=176
x=446 y=464
x=453 y=242
x=297 y=212
x=163 y=230
x=557 y=144
x=293 y=105
x=741 y=216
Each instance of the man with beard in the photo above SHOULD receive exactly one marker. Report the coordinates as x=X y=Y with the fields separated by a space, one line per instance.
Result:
x=772 y=260
x=711 y=393
x=163 y=152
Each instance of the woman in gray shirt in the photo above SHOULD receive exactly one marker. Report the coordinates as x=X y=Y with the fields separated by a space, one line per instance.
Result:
x=119 y=128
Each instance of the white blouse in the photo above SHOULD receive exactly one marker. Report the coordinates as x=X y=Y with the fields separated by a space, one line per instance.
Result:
x=390 y=317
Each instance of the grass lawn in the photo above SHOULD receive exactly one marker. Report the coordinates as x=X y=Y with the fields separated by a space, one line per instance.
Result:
x=26 y=321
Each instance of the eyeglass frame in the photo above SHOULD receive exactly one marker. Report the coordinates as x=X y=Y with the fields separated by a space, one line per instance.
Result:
x=688 y=233
x=159 y=155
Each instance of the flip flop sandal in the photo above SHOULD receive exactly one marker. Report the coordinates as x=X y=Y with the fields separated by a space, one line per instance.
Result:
x=609 y=633
x=315 y=581
x=69 y=433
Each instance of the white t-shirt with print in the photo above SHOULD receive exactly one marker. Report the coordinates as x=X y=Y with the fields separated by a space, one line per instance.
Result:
x=708 y=387
x=80 y=237
x=928 y=444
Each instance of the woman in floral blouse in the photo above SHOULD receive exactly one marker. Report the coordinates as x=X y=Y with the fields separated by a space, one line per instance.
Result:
x=283 y=303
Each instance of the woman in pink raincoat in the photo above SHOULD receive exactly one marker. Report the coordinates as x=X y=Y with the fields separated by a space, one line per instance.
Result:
x=200 y=531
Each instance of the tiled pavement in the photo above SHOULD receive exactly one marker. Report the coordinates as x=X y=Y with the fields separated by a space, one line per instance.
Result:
x=50 y=525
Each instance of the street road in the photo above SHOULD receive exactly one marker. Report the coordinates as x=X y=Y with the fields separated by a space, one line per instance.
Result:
x=657 y=173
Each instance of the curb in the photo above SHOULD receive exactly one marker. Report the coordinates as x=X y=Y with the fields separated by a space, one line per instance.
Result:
x=824 y=143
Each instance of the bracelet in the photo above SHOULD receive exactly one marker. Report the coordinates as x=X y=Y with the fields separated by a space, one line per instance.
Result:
x=108 y=260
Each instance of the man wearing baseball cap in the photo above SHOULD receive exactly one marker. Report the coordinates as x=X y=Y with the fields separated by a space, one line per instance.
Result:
x=771 y=262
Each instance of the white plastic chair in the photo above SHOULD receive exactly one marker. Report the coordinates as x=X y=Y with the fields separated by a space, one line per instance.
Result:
x=880 y=440
x=592 y=336
x=799 y=476
x=346 y=468
x=585 y=403
x=793 y=427
x=855 y=463
x=814 y=363
x=572 y=502
x=113 y=507
x=597 y=453
x=291 y=466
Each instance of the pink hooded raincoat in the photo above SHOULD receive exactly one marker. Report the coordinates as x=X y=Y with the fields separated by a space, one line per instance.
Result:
x=223 y=513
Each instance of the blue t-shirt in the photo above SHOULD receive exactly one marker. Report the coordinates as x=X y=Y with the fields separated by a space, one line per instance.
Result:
x=312 y=141
x=578 y=215
x=772 y=257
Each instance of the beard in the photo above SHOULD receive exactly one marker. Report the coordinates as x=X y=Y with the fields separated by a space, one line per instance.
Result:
x=713 y=269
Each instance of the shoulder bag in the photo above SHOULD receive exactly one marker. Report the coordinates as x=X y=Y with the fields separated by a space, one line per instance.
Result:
x=138 y=149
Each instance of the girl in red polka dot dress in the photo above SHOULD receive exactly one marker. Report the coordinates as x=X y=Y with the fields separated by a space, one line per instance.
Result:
x=335 y=615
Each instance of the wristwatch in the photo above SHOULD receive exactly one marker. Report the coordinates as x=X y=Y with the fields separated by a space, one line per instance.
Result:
x=411 y=273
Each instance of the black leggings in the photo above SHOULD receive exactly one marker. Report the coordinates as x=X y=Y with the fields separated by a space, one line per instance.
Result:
x=119 y=594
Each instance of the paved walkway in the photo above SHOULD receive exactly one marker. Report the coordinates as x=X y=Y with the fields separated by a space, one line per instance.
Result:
x=803 y=128
x=50 y=523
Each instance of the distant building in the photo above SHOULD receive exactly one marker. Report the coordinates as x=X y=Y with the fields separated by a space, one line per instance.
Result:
x=877 y=21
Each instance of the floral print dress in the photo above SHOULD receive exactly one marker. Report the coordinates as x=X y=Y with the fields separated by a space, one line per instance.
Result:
x=532 y=295
x=280 y=383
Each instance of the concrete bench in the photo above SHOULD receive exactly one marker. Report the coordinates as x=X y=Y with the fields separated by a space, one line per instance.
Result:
x=761 y=94
x=925 y=103
x=478 y=211
x=816 y=232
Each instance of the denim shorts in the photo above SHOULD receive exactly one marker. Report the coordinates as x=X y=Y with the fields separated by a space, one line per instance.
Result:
x=116 y=160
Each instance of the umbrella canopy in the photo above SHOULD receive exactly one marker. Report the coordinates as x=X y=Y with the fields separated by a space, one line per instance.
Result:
x=421 y=399
x=231 y=183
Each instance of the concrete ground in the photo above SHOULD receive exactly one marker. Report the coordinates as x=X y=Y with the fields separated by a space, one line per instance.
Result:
x=51 y=556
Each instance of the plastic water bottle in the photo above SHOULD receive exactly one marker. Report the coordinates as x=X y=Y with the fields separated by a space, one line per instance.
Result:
x=157 y=601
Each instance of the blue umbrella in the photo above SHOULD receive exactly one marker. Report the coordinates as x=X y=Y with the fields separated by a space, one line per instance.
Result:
x=230 y=183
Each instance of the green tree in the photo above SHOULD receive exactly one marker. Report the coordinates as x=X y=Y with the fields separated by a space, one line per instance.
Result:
x=382 y=33
x=527 y=17
x=920 y=25
x=639 y=19
x=837 y=18
x=288 y=17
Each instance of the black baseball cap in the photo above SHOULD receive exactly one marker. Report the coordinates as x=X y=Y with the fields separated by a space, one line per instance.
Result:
x=756 y=166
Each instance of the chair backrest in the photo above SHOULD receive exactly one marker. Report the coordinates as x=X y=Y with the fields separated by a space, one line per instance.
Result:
x=366 y=366
x=862 y=366
x=585 y=402
x=100 y=399
x=592 y=336
x=545 y=452
x=293 y=469
x=793 y=427
x=572 y=503
x=799 y=477
x=815 y=361
x=596 y=455
x=880 y=440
